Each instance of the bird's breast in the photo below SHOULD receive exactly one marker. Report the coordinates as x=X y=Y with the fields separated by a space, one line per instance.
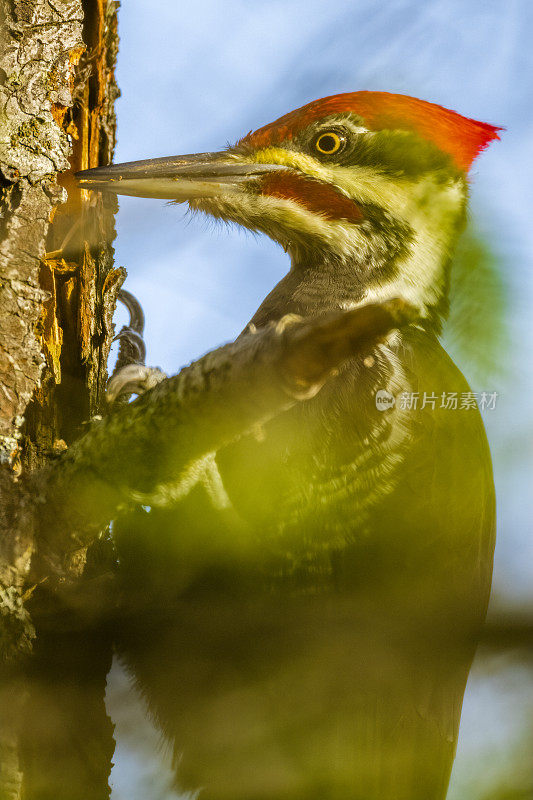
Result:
x=342 y=480
x=308 y=480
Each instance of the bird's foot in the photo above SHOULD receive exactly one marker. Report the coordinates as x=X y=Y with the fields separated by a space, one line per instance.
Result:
x=131 y=375
x=132 y=346
x=133 y=379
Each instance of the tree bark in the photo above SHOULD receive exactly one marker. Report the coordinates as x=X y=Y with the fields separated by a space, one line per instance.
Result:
x=58 y=286
x=57 y=283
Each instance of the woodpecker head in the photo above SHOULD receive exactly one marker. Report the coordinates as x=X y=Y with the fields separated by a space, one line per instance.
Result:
x=366 y=191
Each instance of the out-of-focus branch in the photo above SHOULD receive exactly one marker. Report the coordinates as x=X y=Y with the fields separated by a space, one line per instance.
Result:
x=146 y=446
x=509 y=630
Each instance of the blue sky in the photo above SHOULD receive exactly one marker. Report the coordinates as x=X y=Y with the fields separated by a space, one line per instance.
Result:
x=195 y=76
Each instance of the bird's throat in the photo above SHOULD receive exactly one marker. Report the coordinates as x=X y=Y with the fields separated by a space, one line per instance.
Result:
x=309 y=290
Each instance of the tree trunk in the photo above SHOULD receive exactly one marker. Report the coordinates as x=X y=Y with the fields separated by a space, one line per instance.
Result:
x=57 y=283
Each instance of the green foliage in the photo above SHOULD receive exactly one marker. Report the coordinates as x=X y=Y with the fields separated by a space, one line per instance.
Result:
x=476 y=334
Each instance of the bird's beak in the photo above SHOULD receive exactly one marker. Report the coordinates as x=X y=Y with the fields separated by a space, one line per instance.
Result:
x=180 y=178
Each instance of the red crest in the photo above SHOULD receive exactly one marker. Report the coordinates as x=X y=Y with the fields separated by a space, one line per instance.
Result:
x=462 y=138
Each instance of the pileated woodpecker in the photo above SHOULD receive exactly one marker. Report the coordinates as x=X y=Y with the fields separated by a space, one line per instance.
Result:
x=370 y=507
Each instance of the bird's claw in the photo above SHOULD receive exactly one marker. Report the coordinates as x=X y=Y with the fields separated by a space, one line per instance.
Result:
x=133 y=379
x=131 y=376
x=133 y=342
x=132 y=346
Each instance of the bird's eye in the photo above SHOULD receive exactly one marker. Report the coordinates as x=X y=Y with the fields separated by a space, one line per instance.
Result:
x=329 y=143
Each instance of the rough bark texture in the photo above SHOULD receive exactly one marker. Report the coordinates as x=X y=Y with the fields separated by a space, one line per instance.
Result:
x=57 y=284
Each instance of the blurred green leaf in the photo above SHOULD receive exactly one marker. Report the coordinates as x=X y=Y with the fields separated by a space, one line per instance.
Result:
x=476 y=333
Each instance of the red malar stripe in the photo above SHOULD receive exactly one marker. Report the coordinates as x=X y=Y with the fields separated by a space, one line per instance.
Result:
x=321 y=198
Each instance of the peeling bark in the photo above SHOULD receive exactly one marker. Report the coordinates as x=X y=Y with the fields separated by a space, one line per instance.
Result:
x=57 y=283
